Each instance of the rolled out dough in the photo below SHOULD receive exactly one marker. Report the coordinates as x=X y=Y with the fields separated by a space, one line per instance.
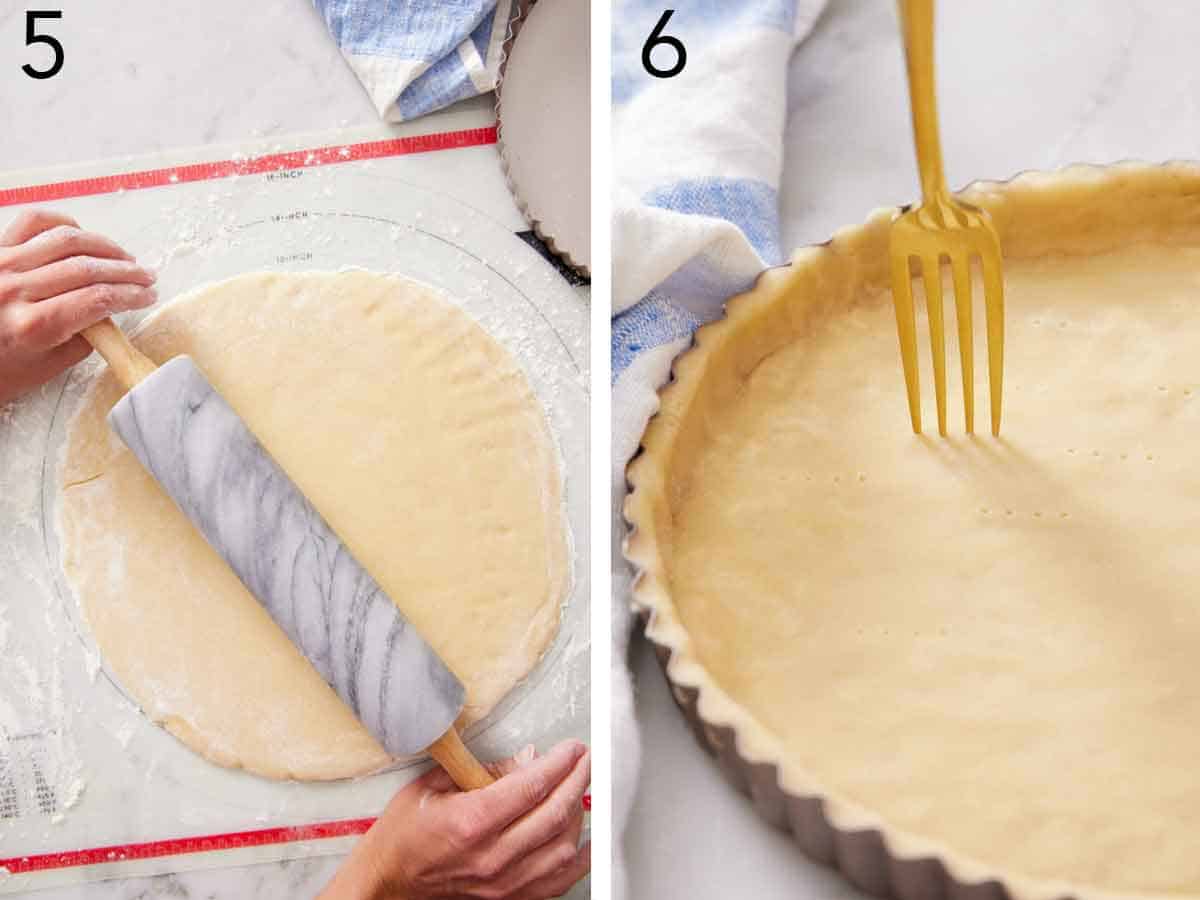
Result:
x=418 y=438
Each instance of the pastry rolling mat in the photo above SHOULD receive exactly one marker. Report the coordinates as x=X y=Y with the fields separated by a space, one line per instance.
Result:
x=89 y=788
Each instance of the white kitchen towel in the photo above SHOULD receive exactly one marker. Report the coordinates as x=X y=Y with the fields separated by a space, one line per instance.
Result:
x=415 y=56
x=697 y=160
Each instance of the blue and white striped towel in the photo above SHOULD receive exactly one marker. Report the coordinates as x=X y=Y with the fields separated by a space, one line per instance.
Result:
x=697 y=160
x=415 y=56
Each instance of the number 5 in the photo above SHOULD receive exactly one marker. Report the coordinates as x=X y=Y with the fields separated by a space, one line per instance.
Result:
x=32 y=37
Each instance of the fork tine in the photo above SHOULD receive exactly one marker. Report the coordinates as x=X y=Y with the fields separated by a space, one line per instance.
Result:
x=931 y=269
x=993 y=300
x=906 y=326
x=960 y=264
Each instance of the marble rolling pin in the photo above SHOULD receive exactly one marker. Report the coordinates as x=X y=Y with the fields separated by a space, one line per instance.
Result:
x=247 y=508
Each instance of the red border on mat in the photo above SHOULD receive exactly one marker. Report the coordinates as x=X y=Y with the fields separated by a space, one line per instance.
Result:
x=41 y=862
x=272 y=162
x=133 y=181
x=234 y=840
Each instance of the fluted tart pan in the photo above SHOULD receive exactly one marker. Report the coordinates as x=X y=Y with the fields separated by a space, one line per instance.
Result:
x=1047 y=222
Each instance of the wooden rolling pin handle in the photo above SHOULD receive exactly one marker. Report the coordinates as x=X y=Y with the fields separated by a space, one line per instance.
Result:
x=128 y=363
x=459 y=762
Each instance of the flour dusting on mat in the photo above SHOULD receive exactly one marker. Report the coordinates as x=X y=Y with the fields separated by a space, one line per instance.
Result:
x=39 y=758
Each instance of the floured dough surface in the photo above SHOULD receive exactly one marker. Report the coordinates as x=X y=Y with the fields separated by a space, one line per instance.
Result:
x=419 y=439
x=990 y=644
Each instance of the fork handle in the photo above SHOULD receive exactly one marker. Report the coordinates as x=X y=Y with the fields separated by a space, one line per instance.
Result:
x=916 y=19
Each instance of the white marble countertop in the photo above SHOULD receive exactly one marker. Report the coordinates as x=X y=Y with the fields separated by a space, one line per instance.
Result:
x=143 y=76
x=1023 y=85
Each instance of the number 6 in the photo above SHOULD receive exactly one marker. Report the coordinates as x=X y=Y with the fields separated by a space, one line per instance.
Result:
x=656 y=38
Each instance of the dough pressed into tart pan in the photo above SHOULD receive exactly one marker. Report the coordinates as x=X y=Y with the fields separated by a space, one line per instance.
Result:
x=983 y=651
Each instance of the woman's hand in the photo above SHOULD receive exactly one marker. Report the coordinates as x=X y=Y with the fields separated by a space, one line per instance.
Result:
x=56 y=280
x=515 y=840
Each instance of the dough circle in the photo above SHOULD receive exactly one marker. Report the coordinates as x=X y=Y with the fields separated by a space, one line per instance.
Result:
x=419 y=439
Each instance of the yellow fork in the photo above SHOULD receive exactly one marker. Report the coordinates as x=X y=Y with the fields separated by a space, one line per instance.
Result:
x=942 y=227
